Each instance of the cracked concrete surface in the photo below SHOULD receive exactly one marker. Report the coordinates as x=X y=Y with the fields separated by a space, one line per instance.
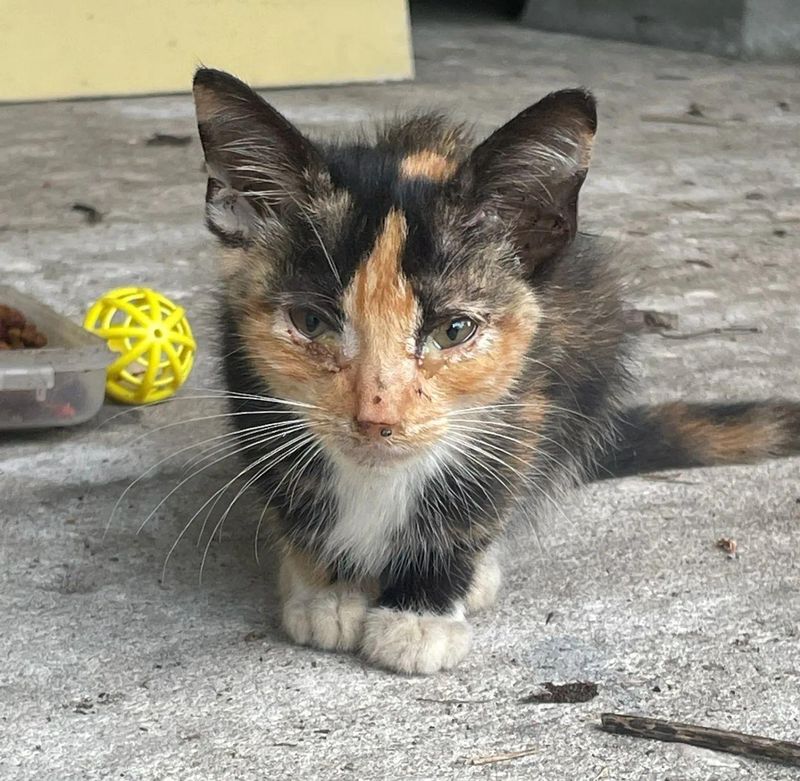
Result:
x=106 y=673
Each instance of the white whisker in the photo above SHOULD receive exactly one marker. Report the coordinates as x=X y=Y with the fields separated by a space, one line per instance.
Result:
x=254 y=479
x=213 y=496
x=195 y=474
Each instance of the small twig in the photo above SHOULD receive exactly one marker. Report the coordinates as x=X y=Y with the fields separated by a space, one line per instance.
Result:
x=504 y=757
x=167 y=139
x=578 y=691
x=704 y=737
x=680 y=119
x=650 y=320
x=730 y=329
x=699 y=262
x=668 y=479
x=451 y=702
x=90 y=213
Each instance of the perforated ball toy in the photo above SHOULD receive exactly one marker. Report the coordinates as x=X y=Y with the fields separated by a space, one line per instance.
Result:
x=153 y=339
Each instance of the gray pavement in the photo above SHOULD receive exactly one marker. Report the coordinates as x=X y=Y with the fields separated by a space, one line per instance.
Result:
x=106 y=673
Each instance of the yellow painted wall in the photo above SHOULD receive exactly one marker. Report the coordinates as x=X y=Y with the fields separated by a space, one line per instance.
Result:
x=78 y=48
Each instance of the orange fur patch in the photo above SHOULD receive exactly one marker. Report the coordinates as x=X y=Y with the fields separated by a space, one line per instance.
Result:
x=295 y=370
x=486 y=375
x=427 y=164
x=383 y=312
x=304 y=567
x=734 y=442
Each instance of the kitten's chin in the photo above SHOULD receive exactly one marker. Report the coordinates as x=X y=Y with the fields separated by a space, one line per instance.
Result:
x=377 y=455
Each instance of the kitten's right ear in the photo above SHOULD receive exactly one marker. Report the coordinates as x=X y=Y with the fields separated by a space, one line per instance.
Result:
x=259 y=164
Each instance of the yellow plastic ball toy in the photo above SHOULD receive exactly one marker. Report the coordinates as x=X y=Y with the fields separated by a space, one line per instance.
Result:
x=153 y=339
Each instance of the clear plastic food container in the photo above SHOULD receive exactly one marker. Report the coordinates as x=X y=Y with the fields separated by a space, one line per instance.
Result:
x=61 y=384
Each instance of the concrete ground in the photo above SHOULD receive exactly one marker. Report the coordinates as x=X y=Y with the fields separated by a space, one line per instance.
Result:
x=107 y=673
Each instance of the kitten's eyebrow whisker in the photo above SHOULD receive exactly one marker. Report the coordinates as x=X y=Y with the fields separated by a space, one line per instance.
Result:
x=324 y=249
x=286 y=192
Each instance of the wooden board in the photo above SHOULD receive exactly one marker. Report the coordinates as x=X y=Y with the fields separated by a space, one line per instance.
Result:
x=84 y=48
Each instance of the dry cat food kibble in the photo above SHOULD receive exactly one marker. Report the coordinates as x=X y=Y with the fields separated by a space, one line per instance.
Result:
x=16 y=332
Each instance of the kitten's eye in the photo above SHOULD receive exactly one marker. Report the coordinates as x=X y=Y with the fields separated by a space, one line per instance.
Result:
x=308 y=322
x=455 y=332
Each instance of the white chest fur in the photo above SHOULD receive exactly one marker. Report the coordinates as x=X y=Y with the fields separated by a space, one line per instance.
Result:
x=373 y=508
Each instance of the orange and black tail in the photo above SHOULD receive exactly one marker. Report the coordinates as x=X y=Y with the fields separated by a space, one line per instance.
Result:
x=680 y=435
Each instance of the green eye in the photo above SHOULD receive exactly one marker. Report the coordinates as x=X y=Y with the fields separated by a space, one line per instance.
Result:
x=308 y=322
x=453 y=333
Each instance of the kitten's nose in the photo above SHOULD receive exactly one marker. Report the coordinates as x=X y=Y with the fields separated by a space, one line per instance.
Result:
x=376 y=429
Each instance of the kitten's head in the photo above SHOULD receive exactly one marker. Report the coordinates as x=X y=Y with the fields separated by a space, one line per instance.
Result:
x=389 y=286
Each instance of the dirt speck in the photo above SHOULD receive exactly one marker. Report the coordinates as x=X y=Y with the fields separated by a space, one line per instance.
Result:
x=578 y=691
x=167 y=139
x=727 y=545
x=91 y=214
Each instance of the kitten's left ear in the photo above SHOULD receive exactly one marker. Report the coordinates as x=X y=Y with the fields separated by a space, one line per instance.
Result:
x=530 y=171
x=259 y=164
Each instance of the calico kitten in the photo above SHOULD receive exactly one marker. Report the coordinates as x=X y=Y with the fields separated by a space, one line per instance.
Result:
x=423 y=344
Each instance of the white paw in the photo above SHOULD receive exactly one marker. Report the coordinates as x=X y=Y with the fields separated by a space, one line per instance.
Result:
x=415 y=643
x=331 y=618
x=485 y=583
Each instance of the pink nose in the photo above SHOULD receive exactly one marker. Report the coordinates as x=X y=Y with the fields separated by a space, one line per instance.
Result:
x=376 y=429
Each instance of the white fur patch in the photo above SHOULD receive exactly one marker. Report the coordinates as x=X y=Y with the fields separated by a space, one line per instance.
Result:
x=414 y=643
x=229 y=211
x=231 y=214
x=373 y=508
x=330 y=617
x=485 y=583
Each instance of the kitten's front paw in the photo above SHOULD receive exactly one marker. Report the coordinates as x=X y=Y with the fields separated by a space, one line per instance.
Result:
x=415 y=643
x=331 y=618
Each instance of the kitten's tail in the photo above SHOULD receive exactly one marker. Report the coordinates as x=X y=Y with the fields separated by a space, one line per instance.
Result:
x=680 y=435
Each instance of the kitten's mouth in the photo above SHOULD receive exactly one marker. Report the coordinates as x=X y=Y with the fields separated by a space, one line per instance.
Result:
x=377 y=453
